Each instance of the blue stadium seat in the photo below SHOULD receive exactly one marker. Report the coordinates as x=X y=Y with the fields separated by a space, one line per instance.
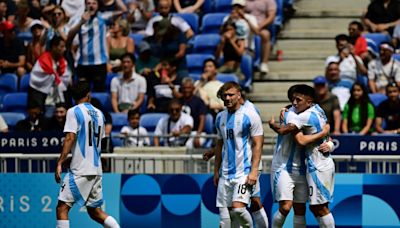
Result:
x=116 y=141
x=247 y=68
x=110 y=76
x=226 y=77
x=150 y=120
x=212 y=22
x=377 y=98
x=24 y=83
x=104 y=99
x=378 y=38
x=118 y=121
x=192 y=19
x=207 y=6
x=209 y=129
x=8 y=84
x=372 y=47
x=396 y=57
x=223 y=6
x=195 y=77
x=137 y=38
x=15 y=102
x=12 y=118
x=195 y=62
x=206 y=43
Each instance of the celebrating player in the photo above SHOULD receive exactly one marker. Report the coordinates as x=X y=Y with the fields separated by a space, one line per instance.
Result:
x=84 y=130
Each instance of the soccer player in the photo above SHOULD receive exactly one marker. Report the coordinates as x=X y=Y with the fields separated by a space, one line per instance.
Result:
x=288 y=181
x=84 y=130
x=237 y=157
x=260 y=218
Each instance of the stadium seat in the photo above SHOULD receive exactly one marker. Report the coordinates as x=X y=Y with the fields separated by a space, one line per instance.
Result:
x=12 y=118
x=8 y=84
x=104 y=99
x=212 y=22
x=110 y=76
x=207 y=6
x=378 y=38
x=226 y=77
x=143 y=107
x=195 y=62
x=195 y=77
x=247 y=68
x=206 y=43
x=209 y=129
x=372 y=47
x=150 y=120
x=396 y=57
x=118 y=121
x=377 y=98
x=116 y=141
x=15 y=102
x=137 y=38
x=192 y=19
x=224 y=6
x=24 y=83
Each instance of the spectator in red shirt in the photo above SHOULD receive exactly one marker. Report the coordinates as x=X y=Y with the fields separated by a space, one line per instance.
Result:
x=359 y=42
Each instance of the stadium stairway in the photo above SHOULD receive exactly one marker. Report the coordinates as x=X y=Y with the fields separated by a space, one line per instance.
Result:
x=306 y=40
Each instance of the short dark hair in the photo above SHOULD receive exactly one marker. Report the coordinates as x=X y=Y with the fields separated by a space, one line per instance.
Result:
x=290 y=92
x=341 y=37
x=391 y=85
x=133 y=112
x=55 y=41
x=174 y=101
x=226 y=86
x=213 y=61
x=80 y=90
x=358 y=24
x=130 y=56
x=61 y=105
x=305 y=90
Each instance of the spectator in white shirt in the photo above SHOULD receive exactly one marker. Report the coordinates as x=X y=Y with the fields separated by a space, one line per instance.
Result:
x=134 y=133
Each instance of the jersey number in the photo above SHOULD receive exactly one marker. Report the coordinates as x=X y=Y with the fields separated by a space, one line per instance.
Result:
x=242 y=189
x=93 y=133
x=229 y=133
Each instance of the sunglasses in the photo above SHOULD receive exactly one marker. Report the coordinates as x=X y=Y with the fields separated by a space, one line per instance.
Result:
x=57 y=14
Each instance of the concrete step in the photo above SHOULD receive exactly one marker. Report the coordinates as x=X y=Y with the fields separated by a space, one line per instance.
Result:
x=314 y=28
x=306 y=49
x=268 y=109
x=271 y=91
x=328 y=8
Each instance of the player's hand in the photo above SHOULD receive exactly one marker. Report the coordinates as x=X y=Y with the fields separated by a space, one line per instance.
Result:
x=208 y=155
x=57 y=174
x=216 y=179
x=252 y=178
x=324 y=148
x=326 y=129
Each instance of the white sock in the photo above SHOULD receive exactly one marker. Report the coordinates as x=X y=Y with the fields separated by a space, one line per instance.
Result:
x=110 y=222
x=243 y=216
x=224 y=218
x=260 y=218
x=326 y=221
x=278 y=220
x=62 y=224
x=299 y=221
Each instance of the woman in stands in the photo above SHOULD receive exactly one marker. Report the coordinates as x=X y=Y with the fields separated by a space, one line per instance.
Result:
x=119 y=43
x=188 y=6
x=232 y=48
x=57 y=24
x=358 y=113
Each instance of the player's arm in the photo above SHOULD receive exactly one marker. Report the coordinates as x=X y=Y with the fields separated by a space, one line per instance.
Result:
x=282 y=129
x=68 y=143
x=304 y=140
x=218 y=160
x=257 y=145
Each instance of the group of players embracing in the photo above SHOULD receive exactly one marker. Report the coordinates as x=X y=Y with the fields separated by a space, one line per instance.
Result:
x=302 y=168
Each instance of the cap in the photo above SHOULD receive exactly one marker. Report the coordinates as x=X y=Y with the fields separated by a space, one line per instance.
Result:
x=387 y=46
x=36 y=24
x=6 y=26
x=238 y=2
x=144 y=46
x=320 y=80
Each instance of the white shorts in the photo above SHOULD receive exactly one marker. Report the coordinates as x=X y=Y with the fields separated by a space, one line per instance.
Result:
x=256 y=188
x=83 y=190
x=234 y=190
x=289 y=186
x=321 y=185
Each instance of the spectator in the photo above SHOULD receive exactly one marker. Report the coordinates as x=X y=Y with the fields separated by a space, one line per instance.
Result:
x=207 y=87
x=164 y=10
x=93 y=55
x=134 y=133
x=195 y=107
x=140 y=12
x=169 y=43
x=36 y=47
x=396 y=37
x=383 y=70
x=119 y=43
x=350 y=65
x=146 y=61
x=128 y=90
x=12 y=54
x=57 y=121
x=113 y=5
x=332 y=74
x=3 y=10
x=358 y=113
x=231 y=48
x=388 y=112
x=160 y=84
x=23 y=21
x=50 y=77
x=11 y=9
x=382 y=16
x=57 y=24
x=329 y=103
x=34 y=9
x=3 y=125
x=175 y=124
x=358 y=41
x=34 y=122
x=265 y=12
x=188 y=6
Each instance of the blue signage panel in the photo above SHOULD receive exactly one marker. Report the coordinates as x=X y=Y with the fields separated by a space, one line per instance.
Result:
x=367 y=145
x=32 y=142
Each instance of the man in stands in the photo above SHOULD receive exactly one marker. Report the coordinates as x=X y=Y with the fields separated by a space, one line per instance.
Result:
x=387 y=119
